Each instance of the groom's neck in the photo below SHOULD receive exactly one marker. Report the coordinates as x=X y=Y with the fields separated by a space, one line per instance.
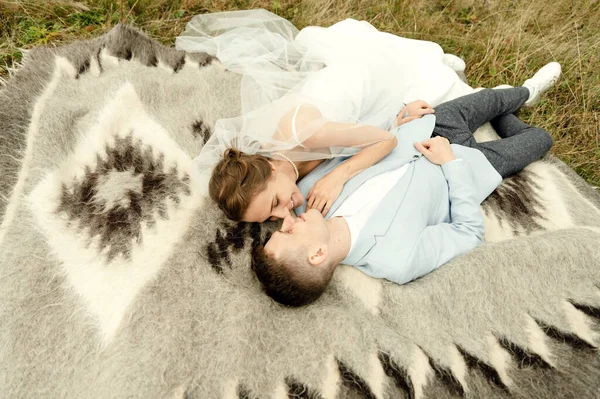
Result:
x=339 y=239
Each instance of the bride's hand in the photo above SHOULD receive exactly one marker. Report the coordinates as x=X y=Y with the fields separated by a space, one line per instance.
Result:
x=324 y=193
x=413 y=110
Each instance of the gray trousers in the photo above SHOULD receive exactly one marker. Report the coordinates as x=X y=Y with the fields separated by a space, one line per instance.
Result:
x=519 y=144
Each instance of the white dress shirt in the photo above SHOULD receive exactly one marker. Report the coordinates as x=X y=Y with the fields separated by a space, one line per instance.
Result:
x=359 y=206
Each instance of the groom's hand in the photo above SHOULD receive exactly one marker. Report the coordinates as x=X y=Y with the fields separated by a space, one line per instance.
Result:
x=436 y=149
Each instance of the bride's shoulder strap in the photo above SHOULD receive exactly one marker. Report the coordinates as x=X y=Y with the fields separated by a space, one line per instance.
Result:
x=298 y=124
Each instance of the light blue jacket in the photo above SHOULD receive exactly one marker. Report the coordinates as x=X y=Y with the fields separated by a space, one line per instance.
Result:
x=430 y=216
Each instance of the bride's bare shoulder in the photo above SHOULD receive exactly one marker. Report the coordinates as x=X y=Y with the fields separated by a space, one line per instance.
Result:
x=294 y=124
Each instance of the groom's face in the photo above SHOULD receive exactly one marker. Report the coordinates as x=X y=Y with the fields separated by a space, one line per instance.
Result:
x=276 y=201
x=309 y=230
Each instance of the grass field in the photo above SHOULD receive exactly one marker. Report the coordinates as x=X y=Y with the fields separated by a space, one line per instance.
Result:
x=501 y=41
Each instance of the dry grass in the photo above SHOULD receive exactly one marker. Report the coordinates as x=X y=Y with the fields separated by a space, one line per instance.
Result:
x=501 y=41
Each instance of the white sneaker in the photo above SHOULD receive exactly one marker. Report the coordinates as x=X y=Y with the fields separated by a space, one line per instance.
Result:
x=454 y=62
x=543 y=79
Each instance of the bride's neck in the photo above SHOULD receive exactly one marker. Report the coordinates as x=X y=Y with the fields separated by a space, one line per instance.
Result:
x=305 y=167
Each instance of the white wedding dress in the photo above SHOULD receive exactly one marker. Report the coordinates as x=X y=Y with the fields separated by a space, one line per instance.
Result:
x=349 y=72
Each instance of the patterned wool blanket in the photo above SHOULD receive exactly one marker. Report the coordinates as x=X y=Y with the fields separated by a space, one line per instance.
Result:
x=118 y=280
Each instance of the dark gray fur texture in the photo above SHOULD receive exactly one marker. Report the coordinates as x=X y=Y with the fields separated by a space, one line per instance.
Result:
x=199 y=326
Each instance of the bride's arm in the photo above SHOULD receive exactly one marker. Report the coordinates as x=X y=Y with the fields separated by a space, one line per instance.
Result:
x=375 y=144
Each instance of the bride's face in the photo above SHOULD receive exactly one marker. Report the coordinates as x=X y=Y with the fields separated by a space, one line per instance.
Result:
x=276 y=201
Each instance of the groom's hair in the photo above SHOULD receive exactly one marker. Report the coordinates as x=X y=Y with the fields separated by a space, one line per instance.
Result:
x=291 y=280
x=236 y=179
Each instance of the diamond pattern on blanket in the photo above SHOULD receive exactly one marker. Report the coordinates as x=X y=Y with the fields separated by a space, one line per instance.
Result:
x=113 y=211
x=125 y=189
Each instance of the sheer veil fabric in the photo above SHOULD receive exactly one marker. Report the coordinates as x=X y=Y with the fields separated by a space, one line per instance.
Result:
x=294 y=82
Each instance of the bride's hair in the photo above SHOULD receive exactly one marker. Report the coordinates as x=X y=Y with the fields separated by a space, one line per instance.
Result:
x=236 y=179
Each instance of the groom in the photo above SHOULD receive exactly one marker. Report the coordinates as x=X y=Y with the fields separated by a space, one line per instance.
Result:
x=416 y=209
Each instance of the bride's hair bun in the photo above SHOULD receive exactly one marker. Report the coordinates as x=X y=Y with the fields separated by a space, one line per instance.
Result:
x=232 y=156
x=236 y=180
x=232 y=153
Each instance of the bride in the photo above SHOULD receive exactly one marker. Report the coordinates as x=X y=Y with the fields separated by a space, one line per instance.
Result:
x=307 y=96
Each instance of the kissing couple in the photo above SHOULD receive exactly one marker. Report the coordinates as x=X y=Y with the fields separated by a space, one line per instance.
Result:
x=392 y=189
